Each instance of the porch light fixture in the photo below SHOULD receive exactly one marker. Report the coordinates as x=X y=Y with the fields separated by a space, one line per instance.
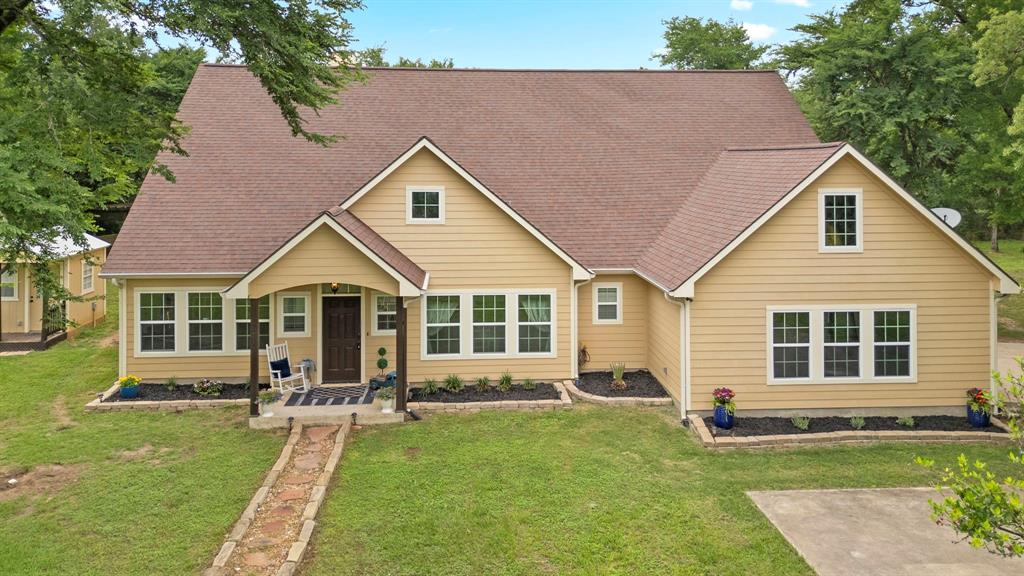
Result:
x=334 y=287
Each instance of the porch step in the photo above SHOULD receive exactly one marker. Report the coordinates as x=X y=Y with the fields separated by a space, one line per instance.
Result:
x=307 y=417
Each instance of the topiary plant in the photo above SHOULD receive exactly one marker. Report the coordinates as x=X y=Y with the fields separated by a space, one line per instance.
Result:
x=382 y=362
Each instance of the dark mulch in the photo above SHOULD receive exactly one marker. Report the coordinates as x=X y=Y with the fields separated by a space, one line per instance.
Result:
x=771 y=426
x=154 y=392
x=639 y=384
x=544 y=391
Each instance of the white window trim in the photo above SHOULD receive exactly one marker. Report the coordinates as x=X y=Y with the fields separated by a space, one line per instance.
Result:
x=139 y=322
x=618 y=302
x=408 y=204
x=511 y=324
x=508 y=310
x=189 y=322
x=281 y=333
x=90 y=275
x=374 y=331
x=235 y=320
x=17 y=275
x=867 y=344
x=859 y=194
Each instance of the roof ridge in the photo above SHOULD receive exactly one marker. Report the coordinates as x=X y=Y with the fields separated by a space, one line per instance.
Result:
x=564 y=70
x=809 y=146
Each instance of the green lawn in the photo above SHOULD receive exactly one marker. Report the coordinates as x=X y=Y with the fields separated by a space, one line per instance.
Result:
x=1011 y=309
x=161 y=510
x=589 y=491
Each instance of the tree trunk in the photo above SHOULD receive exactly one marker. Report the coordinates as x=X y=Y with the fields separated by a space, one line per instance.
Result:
x=994 y=237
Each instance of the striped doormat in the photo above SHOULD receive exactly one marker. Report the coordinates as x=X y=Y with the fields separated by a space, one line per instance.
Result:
x=332 y=396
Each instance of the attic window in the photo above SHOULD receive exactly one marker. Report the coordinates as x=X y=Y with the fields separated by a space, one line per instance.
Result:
x=840 y=220
x=424 y=205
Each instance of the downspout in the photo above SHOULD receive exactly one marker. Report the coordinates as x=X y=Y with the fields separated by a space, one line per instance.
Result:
x=575 y=319
x=684 y=353
x=994 y=341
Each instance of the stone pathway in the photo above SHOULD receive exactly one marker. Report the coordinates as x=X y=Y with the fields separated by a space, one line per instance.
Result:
x=271 y=537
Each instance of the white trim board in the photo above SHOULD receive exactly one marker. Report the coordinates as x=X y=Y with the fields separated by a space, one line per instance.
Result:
x=580 y=272
x=1007 y=285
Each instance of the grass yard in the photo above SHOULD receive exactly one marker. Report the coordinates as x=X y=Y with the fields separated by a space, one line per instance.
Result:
x=589 y=491
x=134 y=493
x=1011 y=309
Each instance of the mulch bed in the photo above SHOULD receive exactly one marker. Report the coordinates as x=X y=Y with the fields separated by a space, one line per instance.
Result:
x=772 y=426
x=543 y=391
x=157 y=392
x=639 y=384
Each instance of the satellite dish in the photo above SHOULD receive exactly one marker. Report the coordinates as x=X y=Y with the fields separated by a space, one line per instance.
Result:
x=948 y=215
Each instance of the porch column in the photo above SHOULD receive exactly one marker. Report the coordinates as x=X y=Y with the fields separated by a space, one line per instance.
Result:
x=400 y=350
x=43 y=324
x=254 y=356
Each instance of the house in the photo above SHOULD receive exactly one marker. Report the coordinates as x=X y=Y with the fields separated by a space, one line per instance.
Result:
x=29 y=320
x=477 y=221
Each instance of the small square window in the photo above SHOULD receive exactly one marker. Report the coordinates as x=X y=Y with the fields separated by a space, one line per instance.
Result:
x=608 y=303
x=294 y=312
x=425 y=205
x=841 y=221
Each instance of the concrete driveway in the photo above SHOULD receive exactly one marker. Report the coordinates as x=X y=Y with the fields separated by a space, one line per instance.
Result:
x=873 y=532
x=1007 y=352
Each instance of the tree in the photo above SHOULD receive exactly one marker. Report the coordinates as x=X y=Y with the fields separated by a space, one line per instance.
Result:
x=696 y=44
x=83 y=101
x=374 y=58
x=1000 y=64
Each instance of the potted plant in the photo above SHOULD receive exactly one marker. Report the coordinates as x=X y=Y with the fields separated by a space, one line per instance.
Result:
x=129 y=386
x=979 y=407
x=268 y=397
x=725 y=408
x=382 y=362
x=387 y=399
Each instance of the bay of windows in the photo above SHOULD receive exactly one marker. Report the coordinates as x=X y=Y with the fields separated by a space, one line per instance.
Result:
x=501 y=323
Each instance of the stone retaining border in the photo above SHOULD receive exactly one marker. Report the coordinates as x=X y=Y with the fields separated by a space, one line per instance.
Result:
x=615 y=400
x=564 y=402
x=708 y=440
x=98 y=405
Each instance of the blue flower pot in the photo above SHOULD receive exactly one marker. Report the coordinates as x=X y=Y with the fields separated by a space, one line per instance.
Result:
x=129 y=392
x=978 y=418
x=723 y=419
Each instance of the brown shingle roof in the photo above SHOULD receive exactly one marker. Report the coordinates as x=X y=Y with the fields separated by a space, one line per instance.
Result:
x=381 y=247
x=599 y=161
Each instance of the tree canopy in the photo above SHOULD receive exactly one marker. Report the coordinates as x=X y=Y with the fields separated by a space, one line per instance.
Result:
x=696 y=44
x=374 y=58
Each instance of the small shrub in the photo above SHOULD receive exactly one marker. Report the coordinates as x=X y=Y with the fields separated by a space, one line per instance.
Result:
x=172 y=383
x=429 y=386
x=454 y=383
x=269 y=396
x=801 y=422
x=618 y=371
x=906 y=421
x=529 y=384
x=483 y=384
x=207 y=387
x=857 y=422
x=129 y=381
x=386 y=393
x=505 y=382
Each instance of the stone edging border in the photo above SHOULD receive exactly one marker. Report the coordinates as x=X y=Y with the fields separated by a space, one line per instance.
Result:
x=615 y=400
x=564 y=402
x=98 y=405
x=708 y=440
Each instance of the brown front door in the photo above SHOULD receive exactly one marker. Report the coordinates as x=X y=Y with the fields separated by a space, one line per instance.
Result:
x=342 y=345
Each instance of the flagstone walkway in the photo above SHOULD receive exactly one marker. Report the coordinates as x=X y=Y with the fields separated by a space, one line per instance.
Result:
x=271 y=537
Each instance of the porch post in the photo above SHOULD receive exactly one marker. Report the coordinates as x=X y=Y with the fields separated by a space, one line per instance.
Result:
x=254 y=356
x=43 y=317
x=400 y=349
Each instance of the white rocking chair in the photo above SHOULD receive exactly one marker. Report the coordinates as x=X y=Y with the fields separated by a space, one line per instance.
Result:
x=294 y=382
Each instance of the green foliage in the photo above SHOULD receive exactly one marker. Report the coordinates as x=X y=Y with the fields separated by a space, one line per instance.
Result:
x=268 y=396
x=483 y=384
x=505 y=382
x=208 y=387
x=374 y=58
x=382 y=362
x=429 y=386
x=1000 y=64
x=801 y=422
x=857 y=422
x=618 y=371
x=386 y=393
x=696 y=44
x=453 y=383
x=905 y=421
x=172 y=384
x=529 y=384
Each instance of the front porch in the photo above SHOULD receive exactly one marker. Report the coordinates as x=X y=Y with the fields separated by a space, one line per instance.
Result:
x=327 y=404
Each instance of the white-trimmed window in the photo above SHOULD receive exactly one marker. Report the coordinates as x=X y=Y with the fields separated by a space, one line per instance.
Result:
x=535 y=323
x=489 y=323
x=205 y=322
x=156 y=322
x=443 y=325
x=842 y=344
x=8 y=282
x=87 y=276
x=294 y=315
x=791 y=345
x=385 y=314
x=242 y=323
x=892 y=343
x=607 y=303
x=424 y=205
x=840 y=220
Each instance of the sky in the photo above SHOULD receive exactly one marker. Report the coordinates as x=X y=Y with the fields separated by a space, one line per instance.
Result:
x=557 y=33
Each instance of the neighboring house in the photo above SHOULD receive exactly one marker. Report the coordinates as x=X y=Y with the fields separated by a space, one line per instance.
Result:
x=32 y=321
x=689 y=223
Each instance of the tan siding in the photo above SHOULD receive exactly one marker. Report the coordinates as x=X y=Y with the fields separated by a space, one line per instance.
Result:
x=607 y=343
x=477 y=247
x=12 y=312
x=663 y=339
x=905 y=261
x=81 y=313
x=372 y=343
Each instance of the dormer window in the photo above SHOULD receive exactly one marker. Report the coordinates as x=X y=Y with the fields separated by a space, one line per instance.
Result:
x=841 y=220
x=424 y=205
